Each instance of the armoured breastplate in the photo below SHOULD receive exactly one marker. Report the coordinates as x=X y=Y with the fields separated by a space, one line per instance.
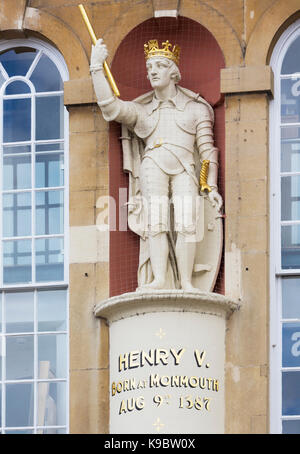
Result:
x=168 y=130
x=166 y=119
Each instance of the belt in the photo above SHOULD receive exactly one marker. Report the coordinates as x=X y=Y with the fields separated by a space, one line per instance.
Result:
x=160 y=142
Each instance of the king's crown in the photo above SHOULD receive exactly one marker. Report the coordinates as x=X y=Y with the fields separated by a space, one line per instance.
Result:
x=152 y=49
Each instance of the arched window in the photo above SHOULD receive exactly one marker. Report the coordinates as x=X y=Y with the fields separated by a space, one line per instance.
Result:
x=34 y=269
x=285 y=235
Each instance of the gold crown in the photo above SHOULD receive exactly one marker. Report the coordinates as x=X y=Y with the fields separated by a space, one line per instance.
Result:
x=152 y=49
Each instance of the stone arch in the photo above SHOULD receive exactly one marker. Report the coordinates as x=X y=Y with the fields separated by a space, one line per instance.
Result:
x=62 y=36
x=264 y=36
x=204 y=14
x=216 y=23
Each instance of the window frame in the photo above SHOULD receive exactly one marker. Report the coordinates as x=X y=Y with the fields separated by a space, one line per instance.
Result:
x=276 y=272
x=60 y=64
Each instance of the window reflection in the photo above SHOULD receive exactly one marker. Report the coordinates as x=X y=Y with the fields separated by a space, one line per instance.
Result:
x=17 y=87
x=49 y=212
x=290 y=246
x=17 y=261
x=49 y=117
x=19 y=404
x=17 y=214
x=19 y=312
x=17 y=61
x=291 y=393
x=16 y=120
x=16 y=172
x=49 y=170
x=19 y=357
x=46 y=77
x=51 y=306
x=291 y=61
x=291 y=297
x=49 y=259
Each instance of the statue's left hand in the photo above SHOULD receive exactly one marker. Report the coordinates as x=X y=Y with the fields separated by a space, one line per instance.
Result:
x=99 y=53
x=215 y=199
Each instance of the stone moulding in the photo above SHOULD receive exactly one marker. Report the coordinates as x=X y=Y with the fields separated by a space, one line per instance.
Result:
x=139 y=302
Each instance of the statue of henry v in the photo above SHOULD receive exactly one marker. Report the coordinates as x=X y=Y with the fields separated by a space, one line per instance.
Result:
x=167 y=134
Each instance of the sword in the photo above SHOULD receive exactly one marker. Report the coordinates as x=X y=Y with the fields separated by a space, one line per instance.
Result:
x=94 y=40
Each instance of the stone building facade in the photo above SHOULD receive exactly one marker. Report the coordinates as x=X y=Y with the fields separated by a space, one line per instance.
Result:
x=245 y=34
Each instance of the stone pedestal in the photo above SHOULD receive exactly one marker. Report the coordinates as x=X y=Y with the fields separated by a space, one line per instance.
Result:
x=167 y=356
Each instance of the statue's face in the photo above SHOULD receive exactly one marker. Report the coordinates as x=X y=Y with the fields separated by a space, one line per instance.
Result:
x=159 y=72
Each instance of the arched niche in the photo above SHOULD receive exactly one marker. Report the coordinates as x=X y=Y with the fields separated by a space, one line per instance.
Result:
x=200 y=65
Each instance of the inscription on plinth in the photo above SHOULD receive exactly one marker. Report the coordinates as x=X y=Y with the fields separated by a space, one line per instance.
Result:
x=167 y=368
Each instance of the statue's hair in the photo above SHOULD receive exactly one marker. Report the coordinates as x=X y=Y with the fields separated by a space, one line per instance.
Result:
x=175 y=72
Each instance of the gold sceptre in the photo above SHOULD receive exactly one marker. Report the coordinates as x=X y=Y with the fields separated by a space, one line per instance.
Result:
x=203 y=176
x=94 y=40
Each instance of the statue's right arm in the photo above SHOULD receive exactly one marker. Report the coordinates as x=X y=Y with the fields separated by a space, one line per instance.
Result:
x=112 y=108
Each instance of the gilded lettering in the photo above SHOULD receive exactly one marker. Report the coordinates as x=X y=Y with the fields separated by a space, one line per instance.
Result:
x=175 y=380
x=165 y=380
x=193 y=382
x=154 y=380
x=184 y=381
x=199 y=357
x=149 y=358
x=161 y=356
x=215 y=385
x=122 y=407
x=177 y=355
x=123 y=362
x=133 y=359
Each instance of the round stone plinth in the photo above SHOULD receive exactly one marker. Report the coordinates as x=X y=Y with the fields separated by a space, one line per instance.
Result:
x=167 y=356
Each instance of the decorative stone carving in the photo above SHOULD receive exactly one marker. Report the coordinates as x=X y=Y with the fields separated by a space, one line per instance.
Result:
x=167 y=135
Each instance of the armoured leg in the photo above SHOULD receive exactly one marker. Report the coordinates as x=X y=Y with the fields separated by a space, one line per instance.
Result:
x=185 y=193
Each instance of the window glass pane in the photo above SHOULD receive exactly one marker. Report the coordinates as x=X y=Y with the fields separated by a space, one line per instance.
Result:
x=290 y=149
x=291 y=61
x=290 y=198
x=45 y=76
x=17 y=62
x=52 y=355
x=16 y=172
x=291 y=427
x=0 y=371
x=49 y=147
x=0 y=400
x=9 y=149
x=51 y=404
x=17 y=261
x=16 y=88
x=291 y=393
x=19 y=405
x=49 y=117
x=49 y=212
x=19 y=312
x=19 y=357
x=18 y=432
x=49 y=259
x=291 y=297
x=52 y=310
x=291 y=345
x=2 y=78
x=290 y=101
x=49 y=170
x=53 y=431
x=290 y=244
x=17 y=214
x=16 y=120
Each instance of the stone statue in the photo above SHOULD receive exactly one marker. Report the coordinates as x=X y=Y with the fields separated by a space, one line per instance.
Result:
x=167 y=134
